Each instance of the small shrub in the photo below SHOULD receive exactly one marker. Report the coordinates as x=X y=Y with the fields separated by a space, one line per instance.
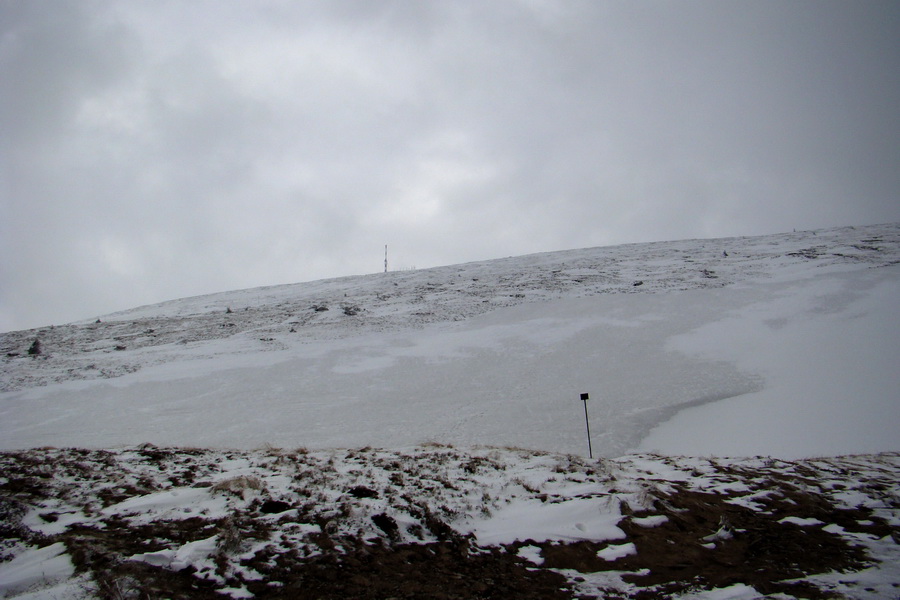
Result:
x=229 y=540
x=238 y=484
x=362 y=491
x=525 y=485
x=388 y=525
x=272 y=507
x=119 y=588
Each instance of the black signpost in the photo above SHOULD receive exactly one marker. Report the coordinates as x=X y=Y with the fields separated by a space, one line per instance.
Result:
x=584 y=398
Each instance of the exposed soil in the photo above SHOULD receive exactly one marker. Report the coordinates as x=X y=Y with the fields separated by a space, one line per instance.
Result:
x=771 y=530
x=754 y=548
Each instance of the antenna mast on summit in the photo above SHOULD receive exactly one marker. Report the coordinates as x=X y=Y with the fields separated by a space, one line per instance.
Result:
x=385 y=258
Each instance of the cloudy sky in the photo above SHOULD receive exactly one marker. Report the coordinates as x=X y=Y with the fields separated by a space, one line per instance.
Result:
x=152 y=150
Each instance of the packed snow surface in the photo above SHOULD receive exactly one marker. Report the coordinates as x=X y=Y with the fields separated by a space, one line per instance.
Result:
x=783 y=345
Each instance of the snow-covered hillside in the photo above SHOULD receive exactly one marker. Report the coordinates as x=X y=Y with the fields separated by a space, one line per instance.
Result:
x=783 y=345
x=420 y=435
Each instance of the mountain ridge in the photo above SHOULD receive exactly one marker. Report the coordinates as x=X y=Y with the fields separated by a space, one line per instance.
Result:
x=387 y=301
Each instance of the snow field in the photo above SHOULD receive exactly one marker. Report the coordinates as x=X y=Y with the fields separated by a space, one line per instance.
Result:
x=333 y=420
x=784 y=348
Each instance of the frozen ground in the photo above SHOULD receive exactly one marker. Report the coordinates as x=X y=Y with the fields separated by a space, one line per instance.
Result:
x=289 y=425
x=440 y=522
x=781 y=345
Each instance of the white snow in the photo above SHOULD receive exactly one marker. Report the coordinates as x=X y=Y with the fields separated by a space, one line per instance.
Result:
x=531 y=554
x=651 y=521
x=189 y=554
x=540 y=521
x=35 y=569
x=63 y=520
x=802 y=522
x=786 y=347
x=733 y=592
x=827 y=349
x=615 y=552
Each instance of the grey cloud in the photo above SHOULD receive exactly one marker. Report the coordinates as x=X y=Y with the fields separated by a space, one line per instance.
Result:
x=169 y=149
x=53 y=55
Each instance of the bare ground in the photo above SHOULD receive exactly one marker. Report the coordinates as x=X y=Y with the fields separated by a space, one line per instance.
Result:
x=774 y=530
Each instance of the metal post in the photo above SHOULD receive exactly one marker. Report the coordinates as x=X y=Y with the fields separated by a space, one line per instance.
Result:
x=587 y=424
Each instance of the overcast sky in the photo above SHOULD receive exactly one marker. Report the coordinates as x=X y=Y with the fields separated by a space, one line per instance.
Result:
x=162 y=149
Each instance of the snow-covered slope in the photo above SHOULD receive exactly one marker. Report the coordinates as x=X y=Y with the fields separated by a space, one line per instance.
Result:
x=783 y=345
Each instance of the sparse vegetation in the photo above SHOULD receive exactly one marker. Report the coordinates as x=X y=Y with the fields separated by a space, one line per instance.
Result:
x=239 y=484
x=303 y=520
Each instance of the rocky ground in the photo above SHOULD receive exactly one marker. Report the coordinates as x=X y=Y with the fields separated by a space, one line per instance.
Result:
x=443 y=522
